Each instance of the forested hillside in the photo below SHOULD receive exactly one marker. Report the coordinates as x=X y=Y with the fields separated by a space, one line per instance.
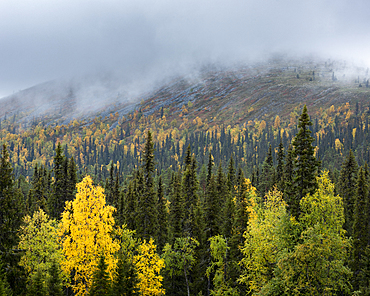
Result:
x=242 y=182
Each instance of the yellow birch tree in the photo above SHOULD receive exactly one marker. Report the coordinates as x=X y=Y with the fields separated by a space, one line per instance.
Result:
x=85 y=234
x=148 y=265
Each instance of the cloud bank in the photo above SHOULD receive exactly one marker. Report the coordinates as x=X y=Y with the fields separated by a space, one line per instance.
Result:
x=42 y=40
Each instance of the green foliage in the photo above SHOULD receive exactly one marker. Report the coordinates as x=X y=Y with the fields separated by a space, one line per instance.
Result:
x=305 y=163
x=219 y=249
x=347 y=189
x=360 y=226
x=283 y=256
x=36 y=286
x=100 y=285
x=54 y=284
x=180 y=259
x=39 y=243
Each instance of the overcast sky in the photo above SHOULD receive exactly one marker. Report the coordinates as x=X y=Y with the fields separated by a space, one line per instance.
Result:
x=42 y=40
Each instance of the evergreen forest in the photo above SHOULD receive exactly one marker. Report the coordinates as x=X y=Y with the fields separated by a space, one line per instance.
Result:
x=187 y=206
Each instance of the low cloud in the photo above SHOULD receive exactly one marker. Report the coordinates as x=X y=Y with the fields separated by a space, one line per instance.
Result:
x=42 y=40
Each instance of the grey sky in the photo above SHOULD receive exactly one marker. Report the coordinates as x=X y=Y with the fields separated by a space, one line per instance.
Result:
x=46 y=39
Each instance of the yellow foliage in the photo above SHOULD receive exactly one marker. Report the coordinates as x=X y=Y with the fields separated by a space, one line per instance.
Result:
x=149 y=265
x=85 y=233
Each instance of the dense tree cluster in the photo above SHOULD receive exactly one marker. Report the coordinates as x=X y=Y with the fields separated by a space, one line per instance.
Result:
x=190 y=228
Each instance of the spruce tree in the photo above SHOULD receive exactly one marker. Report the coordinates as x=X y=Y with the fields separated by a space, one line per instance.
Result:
x=189 y=187
x=54 y=285
x=347 y=189
x=305 y=163
x=288 y=181
x=162 y=216
x=147 y=207
x=280 y=166
x=130 y=205
x=360 y=227
x=11 y=214
x=36 y=286
x=59 y=190
x=268 y=174
x=126 y=278
x=231 y=176
x=101 y=283
x=177 y=211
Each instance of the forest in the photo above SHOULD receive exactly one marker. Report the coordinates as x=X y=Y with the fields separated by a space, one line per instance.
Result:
x=187 y=207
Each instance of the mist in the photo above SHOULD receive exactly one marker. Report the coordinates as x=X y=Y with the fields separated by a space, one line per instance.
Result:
x=145 y=41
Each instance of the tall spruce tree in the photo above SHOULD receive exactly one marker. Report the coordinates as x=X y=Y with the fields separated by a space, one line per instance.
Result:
x=126 y=279
x=305 y=162
x=177 y=210
x=360 y=227
x=59 y=190
x=268 y=174
x=147 y=215
x=101 y=285
x=54 y=284
x=189 y=186
x=347 y=189
x=162 y=216
x=280 y=166
x=11 y=214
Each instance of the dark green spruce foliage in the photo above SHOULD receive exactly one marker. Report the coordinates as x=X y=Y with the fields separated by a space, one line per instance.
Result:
x=36 y=285
x=11 y=214
x=125 y=280
x=231 y=176
x=4 y=286
x=198 y=272
x=101 y=284
x=280 y=166
x=305 y=163
x=177 y=210
x=360 y=227
x=364 y=278
x=54 y=285
x=267 y=178
x=147 y=216
x=288 y=179
x=189 y=186
x=37 y=196
x=162 y=216
x=57 y=199
x=130 y=205
x=347 y=189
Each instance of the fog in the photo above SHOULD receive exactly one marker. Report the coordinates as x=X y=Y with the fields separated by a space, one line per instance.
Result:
x=142 y=41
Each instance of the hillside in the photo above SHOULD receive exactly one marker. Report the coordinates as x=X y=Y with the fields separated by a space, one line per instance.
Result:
x=99 y=122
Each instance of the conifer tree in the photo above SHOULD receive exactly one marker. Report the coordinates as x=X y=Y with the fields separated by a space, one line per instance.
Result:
x=101 y=283
x=162 y=216
x=268 y=173
x=11 y=213
x=231 y=176
x=37 y=286
x=280 y=166
x=54 y=284
x=347 y=189
x=177 y=211
x=288 y=180
x=126 y=280
x=360 y=227
x=71 y=179
x=147 y=216
x=189 y=186
x=130 y=205
x=305 y=163
x=198 y=273
x=57 y=199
